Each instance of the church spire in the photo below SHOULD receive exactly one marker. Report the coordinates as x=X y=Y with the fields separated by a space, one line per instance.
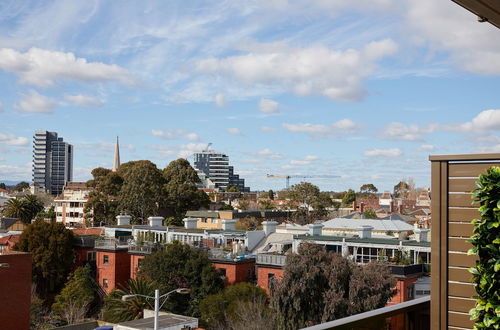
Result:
x=116 y=163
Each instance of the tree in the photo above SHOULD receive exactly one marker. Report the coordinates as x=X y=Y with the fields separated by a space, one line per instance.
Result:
x=266 y=204
x=368 y=188
x=179 y=265
x=116 y=310
x=218 y=310
x=21 y=186
x=102 y=203
x=76 y=297
x=320 y=286
x=49 y=214
x=370 y=214
x=24 y=208
x=51 y=246
x=401 y=190
x=181 y=189
x=349 y=197
x=232 y=189
x=270 y=194
x=143 y=191
x=313 y=202
x=2 y=185
x=254 y=314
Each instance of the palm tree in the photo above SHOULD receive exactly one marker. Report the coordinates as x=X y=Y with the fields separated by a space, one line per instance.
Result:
x=116 y=310
x=33 y=206
x=15 y=208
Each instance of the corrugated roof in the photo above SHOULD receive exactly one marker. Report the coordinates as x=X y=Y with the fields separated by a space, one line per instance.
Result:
x=363 y=240
x=377 y=224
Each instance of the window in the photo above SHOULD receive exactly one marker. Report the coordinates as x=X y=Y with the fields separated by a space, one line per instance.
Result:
x=91 y=255
x=270 y=279
x=204 y=220
x=105 y=259
x=222 y=272
x=139 y=262
x=105 y=283
x=409 y=292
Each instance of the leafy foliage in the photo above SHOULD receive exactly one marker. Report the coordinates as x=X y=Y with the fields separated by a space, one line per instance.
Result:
x=320 y=286
x=178 y=265
x=21 y=186
x=182 y=192
x=370 y=213
x=313 y=202
x=349 y=197
x=24 y=208
x=402 y=190
x=220 y=309
x=51 y=246
x=77 y=295
x=232 y=189
x=486 y=244
x=116 y=310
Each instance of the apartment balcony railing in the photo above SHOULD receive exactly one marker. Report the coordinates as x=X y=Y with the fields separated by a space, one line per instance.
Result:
x=84 y=241
x=144 y=249
x=113 y=243
x=271 y=259
x=415 y=315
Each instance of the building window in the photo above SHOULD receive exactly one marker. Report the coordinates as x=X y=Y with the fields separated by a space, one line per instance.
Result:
x=139 y=262
x=270 y=279
x=90 y=255
x=409 y=292
x=105 y=283
x=204 y=220
x=105 y=259
x=222 y=272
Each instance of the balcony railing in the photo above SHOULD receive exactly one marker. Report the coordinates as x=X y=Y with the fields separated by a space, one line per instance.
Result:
x=271 y=259
x=145 y=249
x=113 y=243
x=416 y=314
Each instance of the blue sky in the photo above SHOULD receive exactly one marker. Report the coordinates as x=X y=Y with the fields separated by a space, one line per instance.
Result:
x=365 y=90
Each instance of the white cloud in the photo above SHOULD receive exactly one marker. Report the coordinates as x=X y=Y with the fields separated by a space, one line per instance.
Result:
x=171 y=134
x=389 y=153
x=339 y=128
x=189 y=149
x=12 y=140
x=486 y=121
x=234 y=131
x=268 y=153
x=268 y=106
x=192 y=137
x=16 y=172
x=103 y=146
x=399 y=131
x=338 y=75
x=36 y=102
x=426 y=147
x=84 y=100
x=287 y=167
x=446 y=26
x=220 y=100
x=167 y=135
x=267 y=129
x=44 y=68
x=305 y=161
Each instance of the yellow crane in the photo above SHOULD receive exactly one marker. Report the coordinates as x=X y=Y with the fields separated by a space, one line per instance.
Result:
x=288 y=177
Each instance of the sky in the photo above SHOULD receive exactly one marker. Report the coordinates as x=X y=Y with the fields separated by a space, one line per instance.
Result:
x=364 y=90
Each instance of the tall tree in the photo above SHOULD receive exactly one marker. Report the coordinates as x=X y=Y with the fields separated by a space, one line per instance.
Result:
x=102 y=203
x=312 y=202
x=143 y=191
x=116 y=310
x=24 y=208
x=349 y=197
x=181 y=189
x=179 y=265
x=402 y=189
x=21 y=186
x=368 y=190
x=221 y=309
x=270 y=194
x=320 y=286
x=2 y=185
x=370 y=214
x=51 y=246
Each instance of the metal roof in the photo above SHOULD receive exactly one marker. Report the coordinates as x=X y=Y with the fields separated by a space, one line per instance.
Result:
x=377 y=224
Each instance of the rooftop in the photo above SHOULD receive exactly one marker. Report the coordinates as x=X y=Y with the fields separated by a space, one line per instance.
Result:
x=377 y=224
x=385 y=241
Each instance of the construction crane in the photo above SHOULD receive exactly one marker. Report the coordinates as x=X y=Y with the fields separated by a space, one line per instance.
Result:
x=288 y=177
x=207 y=148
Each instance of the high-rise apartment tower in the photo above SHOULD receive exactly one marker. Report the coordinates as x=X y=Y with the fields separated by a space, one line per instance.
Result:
x=52 y=162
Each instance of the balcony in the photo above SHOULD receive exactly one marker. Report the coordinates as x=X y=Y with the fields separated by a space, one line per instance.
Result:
x=120 y=243
x=271 y=259
x=142 y=249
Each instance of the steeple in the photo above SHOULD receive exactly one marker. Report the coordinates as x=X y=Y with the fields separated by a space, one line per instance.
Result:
x=116 y=163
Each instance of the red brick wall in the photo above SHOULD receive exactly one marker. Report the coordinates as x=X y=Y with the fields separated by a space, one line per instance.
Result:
x=15 y=291
x=134 y=264
x=80 y=257
x=263 y=273
x=237 y=272
x=402 y=292
x=117 y=271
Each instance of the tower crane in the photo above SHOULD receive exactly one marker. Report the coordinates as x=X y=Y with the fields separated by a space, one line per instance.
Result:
x=288 y=177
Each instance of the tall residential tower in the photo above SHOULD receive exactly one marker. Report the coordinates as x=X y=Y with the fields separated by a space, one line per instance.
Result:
x=52 y=162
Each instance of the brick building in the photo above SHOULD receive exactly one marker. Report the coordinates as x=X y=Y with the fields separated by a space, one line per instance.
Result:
x=113 y=264
x=15 y=290
x=235 y=271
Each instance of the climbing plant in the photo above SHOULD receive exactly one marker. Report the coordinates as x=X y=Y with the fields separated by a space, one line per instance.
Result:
x=486 y=244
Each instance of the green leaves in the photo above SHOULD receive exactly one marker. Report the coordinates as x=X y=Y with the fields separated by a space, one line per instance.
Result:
x=486 y=244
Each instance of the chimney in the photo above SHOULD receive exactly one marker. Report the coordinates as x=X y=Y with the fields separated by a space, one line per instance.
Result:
x=155 y=221
x=315 y=229
x=365 y=231
x=400 y=208
x=190 y=223
x=123 y=219
x=269 y=227
x=421 y=234
x=391 y=207
x=354 y=206
x=361 y=207
x=228 y=224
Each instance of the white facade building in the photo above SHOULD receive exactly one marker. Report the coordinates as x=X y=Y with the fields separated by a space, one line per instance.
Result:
x=70 y=204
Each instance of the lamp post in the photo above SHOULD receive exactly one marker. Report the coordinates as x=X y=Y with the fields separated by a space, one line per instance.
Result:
x=157 y=298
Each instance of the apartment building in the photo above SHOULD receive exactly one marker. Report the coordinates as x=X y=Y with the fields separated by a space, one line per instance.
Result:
x=52 y=162
x=69 y=206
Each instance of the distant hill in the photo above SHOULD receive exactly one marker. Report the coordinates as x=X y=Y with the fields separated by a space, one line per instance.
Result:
x=12 y=182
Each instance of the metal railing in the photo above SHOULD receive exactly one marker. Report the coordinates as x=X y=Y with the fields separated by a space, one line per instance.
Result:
x=146 y=249
x=113 y=243
x=416 y=313
x=271 y=259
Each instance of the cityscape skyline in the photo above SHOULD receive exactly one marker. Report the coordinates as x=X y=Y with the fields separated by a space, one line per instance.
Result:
x=364 y=91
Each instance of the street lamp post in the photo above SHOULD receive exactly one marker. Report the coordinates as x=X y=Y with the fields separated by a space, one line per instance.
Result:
x=157 y=298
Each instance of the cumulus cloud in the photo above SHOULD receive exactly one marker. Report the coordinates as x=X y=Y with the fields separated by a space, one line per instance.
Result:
x=12 y=140
x=338 y=75
x=426 y=147
x=267 y=129
x=305 y=161
x=399 y=131
x=192 y=137
x=486 y=121
x=445 y=26
x=189 y=149
x=16 y=172
x=84 y=100
x=220 y=100
x=36 y=102
x=172 y=134
x=44 y=68
x=269 y=154
x=103 y=146
x=339 y=128
x=234 y=131
x=268 y=106
x=167 y=135
x=388 y=153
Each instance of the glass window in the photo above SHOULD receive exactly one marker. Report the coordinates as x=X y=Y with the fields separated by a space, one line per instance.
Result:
x=105 y=259
x=105 y=283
